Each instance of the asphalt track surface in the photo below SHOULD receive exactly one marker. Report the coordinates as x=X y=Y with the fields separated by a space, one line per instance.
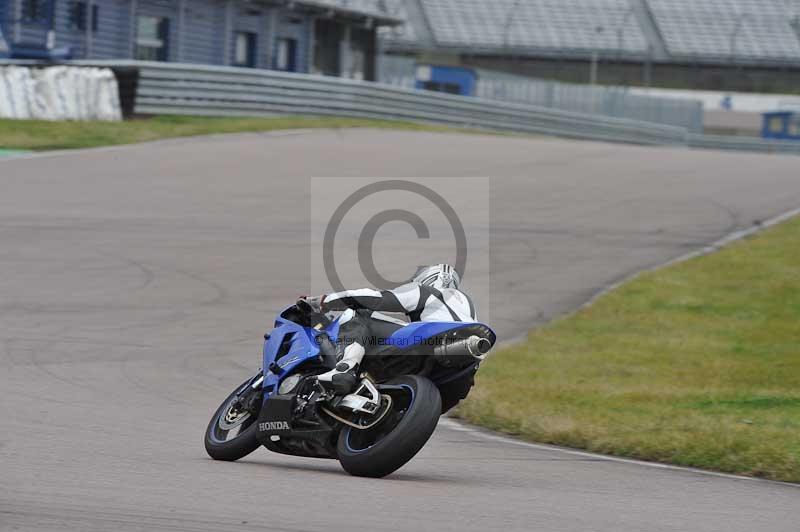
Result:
x=135 y=284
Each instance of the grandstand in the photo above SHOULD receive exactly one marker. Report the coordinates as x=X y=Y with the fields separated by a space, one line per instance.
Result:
x=565 y=25
x=737 y=30
x=744 y=32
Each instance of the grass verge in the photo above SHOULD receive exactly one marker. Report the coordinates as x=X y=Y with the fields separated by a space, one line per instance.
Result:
x=43 y=135
x=697 y=364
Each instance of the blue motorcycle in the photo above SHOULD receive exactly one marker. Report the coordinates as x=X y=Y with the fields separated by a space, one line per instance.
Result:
x=407 y=381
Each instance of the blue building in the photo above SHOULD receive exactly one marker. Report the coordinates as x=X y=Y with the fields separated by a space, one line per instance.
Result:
x=449 y=79
x=331 y=37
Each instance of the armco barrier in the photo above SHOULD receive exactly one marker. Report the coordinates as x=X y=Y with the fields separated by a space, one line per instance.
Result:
x=734 y=143
x=167 y=88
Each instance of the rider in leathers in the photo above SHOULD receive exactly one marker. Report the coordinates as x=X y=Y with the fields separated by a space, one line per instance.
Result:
x=432 y=295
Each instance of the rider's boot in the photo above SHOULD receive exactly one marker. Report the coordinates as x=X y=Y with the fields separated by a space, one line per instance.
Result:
x=344 y=377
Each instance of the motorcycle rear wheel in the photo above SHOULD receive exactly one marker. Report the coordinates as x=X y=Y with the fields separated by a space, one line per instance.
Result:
x=384 y=449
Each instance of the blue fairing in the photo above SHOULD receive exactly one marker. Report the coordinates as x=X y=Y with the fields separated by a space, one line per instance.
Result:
x=303 y=344
x=302 y=347
x=415 y=334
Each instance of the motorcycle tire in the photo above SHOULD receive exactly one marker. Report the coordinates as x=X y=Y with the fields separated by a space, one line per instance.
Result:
x=380 y=451
x=241 y=445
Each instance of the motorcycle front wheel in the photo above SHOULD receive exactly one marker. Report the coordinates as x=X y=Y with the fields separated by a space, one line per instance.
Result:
x=231 y=433
x=385 y=448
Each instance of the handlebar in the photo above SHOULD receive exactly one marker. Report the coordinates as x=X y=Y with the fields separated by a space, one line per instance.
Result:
x=319 y=321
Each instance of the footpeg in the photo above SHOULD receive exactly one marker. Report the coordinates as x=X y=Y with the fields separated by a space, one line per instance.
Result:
x=357 y=402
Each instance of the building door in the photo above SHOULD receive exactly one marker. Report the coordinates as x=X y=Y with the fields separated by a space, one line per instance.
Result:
x=362 y=54
x=244 y=54
x=285 y=55
x=327 y=36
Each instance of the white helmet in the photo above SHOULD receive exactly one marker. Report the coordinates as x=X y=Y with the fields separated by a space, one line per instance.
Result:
x=439 y=276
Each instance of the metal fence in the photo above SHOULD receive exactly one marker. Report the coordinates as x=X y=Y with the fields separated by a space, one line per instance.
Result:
x=616 y=102
x=397 y=70
x=607 y=101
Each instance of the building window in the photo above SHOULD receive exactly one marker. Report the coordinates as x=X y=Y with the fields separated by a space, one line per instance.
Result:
x=77 y=16
x=33 y=10
x=152 y=38
x=285 y=55
x=245 y=49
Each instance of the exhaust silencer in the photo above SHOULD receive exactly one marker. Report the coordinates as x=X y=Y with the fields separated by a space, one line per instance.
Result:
x=462 y=353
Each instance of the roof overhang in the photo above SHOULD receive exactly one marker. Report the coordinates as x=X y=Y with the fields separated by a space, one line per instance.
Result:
x=344 y=10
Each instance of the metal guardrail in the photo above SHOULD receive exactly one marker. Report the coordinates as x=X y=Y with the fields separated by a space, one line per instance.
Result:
x=168 y=88
x=734 y=143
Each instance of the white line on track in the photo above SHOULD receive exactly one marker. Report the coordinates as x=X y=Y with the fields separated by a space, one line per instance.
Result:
x=453 y=424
